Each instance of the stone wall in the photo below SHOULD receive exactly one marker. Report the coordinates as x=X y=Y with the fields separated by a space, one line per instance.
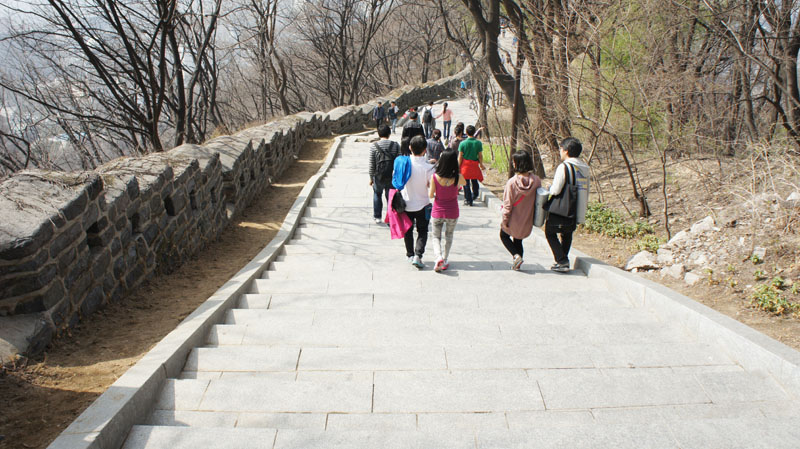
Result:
x=72 y=242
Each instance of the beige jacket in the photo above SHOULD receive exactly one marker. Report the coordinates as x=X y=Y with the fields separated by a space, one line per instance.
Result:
x=519 y=198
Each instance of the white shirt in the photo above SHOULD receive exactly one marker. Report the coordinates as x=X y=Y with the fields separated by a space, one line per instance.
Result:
x=559 y=178
x=416 y=190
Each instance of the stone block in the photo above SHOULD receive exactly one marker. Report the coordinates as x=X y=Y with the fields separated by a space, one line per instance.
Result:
x=25 y=239
x=93 y=301
x=243 y=358
x=151 y=437
x=32 y=264
x=267 y=395
x=28 y=283
x=584 y=389
x=455 y=391
x=372 y=359
x=306 y=421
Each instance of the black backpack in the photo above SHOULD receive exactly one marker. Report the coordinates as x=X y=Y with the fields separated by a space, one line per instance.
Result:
x=427 y=117
x=384 y=164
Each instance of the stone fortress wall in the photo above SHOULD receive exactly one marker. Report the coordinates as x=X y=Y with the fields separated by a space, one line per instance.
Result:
x=72 y=242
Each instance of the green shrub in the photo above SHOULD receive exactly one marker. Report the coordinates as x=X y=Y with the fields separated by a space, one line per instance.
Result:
x=602 y=220
x=649 y=242
x=769 y=297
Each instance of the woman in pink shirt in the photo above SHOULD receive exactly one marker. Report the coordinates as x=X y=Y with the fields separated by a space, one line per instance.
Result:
x=443 y=190
x=447 y=116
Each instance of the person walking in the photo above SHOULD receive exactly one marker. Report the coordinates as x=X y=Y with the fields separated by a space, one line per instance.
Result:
x=447 y=120
x=378 y=114
x=381 y=165
x=410 y=129
x=470 y=159
x=457 y=136
x=427 y=120
x=418 y=205
x=443 y=190
x=392 y=114
x=519 y=199
x=435 y=147
x=570 y=169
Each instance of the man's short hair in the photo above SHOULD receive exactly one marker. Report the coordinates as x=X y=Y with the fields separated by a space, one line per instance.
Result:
x=384 y=131
x=437 y=134
x=470 y=130
x=418 y=145
x=573 y=146
x=413 y=115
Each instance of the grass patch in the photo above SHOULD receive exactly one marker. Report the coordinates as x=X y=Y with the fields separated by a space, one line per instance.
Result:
x=649 y=242
x=498 y=156
x=770 y=298
x=602 y=220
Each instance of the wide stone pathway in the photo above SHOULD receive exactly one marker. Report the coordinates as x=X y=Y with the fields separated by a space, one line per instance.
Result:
x=343 y=344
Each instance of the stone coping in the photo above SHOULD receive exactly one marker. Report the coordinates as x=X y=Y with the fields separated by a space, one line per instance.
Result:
x=105 y=424
x=750 y=348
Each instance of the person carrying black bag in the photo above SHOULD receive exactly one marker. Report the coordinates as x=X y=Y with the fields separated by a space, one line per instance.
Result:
x=563 y=201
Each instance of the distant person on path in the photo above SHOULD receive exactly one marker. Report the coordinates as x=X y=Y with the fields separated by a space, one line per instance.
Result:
x=418 y=206
x=407 y=114
x=392 y=114
x=428 y=121
x=447 y=120
x=519 y=199
x=381 y=165
x=435 y=147
x=463 y=85
x=556 y=225
x=379 y=115
x=410 y=129
x=443 y=191
x=470 y=159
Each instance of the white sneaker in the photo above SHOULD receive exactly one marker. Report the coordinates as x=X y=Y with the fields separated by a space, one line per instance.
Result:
x=378 y=221
x=417 y=262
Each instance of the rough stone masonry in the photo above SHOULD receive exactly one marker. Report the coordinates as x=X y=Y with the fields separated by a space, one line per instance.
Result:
x=72 y=242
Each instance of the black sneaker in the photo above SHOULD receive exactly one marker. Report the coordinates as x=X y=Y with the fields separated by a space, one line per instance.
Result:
x=561 y=268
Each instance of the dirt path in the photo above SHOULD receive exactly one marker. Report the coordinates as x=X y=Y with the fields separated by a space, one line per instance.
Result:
x=39 y=400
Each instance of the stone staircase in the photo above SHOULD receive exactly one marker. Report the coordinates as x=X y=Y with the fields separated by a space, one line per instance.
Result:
x=343 y=344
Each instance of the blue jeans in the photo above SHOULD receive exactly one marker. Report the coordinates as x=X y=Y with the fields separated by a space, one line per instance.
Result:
x=394 y=124
x=378 y=191
x=446 y=130
x=471 y=190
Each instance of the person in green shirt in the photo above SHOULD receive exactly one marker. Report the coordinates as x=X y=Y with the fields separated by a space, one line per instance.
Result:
x=470 y=159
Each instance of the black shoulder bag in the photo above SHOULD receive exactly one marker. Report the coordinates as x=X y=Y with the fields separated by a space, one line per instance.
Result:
x=565 y=203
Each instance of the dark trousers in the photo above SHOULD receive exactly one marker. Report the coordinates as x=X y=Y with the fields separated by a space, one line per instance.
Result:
x=421 y=219
x=446 y=129
x=379 y=191
x=378 y=122
x=557 y=225
x=428 y=127
x=514 y=246
x=471 y=190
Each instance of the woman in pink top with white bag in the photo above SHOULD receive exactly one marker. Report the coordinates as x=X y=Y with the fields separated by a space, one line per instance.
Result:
x=443 y=189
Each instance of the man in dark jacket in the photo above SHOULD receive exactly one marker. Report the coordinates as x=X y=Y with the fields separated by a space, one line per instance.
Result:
x=410 y=129
x=378 y=114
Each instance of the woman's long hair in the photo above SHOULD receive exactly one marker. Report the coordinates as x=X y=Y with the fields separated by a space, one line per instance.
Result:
x=447 y=166
x=458 y=131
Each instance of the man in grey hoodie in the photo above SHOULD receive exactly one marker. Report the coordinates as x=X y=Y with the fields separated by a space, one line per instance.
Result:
x=556 y=225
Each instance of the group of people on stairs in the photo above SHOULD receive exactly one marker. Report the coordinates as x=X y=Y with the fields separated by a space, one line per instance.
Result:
x=420 y=179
